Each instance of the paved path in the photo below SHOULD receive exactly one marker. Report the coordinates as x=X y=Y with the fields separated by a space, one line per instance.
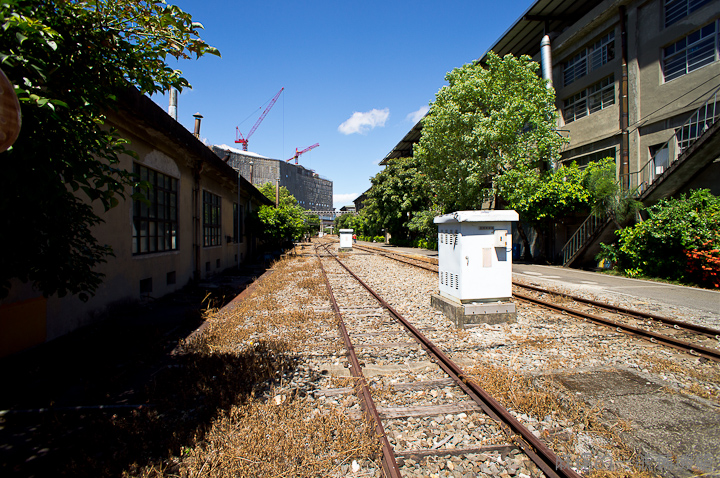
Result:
x=700 y=299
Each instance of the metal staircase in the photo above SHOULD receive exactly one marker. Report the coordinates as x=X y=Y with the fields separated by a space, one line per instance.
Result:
x=692 y=147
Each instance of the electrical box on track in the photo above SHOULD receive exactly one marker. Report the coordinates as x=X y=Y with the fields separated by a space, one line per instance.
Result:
x=346 y=239
x=475 y=255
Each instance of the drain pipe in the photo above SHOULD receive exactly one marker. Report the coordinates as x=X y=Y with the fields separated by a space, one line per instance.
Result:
x=546 y=60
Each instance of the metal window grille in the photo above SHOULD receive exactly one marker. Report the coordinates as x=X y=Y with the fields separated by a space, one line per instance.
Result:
x=575 y=68
x=701 y=120
x=602 y=51
x=211 y=220
x=155 y=223
x=696 y=50
x=590 y=58
x=676 y=10
x=591 y=100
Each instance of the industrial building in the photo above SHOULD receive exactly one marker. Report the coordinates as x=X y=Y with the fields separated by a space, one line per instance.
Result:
x=191 y=226
x=312 y=191
x=635 y=80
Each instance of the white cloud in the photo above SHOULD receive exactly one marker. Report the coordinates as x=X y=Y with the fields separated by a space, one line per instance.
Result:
x=340 y=200
x=364 y=122
x=416 y=116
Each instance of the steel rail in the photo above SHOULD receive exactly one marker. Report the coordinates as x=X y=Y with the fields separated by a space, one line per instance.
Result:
x=648 y=335
x=535 y=449
x=389 y=463
x=395 y=256
x=714 y=333
x=644 y=334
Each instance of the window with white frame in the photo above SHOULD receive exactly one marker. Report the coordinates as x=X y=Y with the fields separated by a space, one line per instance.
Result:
x=590 y=100
x=696 y=50
x=590 y=58
x=676 y=10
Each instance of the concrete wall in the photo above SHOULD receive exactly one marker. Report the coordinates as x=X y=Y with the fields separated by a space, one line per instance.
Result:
x=311 y=191
x=27 y=319
x=655 y=107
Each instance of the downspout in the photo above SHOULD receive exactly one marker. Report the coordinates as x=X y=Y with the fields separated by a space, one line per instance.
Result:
x=624 y=171
x=546 y=60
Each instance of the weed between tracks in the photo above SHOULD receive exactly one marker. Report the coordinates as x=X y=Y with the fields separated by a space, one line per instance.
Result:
x=532 y=398
x=705 y=376
x=272 y=430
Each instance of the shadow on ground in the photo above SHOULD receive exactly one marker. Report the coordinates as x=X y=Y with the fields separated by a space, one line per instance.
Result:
x=111 y=398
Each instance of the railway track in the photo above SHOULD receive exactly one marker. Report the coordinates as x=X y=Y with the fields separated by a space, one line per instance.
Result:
x=457 y=418
x=684 y=336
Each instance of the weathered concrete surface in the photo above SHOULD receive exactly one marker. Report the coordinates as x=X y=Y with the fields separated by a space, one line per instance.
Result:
x=462 y=315
x=676 y=434
x=674 y=295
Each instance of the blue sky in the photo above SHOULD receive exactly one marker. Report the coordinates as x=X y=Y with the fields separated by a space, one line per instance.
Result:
x=356 y=74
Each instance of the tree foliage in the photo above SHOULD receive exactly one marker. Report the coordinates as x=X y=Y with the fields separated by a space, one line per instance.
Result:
x=679 y=241
x=488 y=120
x=286 y=222
x=398 y=194
x=68 y=61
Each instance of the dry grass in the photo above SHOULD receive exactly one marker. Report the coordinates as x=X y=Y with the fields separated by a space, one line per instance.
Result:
x=540 y=398
x=705 y=377
x=259 y=436
x=268 y=440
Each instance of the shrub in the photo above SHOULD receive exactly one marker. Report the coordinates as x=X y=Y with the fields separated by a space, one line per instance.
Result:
x=678 y=241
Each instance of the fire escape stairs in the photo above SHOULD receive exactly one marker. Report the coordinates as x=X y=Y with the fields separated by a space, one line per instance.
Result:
x=693 y=147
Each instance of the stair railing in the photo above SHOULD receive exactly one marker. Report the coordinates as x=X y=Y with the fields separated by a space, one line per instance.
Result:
x=586 y=230
x=664 y=157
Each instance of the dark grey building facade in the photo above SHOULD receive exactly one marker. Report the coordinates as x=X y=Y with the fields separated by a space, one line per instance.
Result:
x=312 y=191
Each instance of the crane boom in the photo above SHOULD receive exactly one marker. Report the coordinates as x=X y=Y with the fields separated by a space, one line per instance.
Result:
x=298 y=153
x=238 y=134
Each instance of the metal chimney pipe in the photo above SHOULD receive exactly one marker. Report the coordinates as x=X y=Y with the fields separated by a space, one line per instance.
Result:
x=546 y=59
x=198 y=118
x=172 y=108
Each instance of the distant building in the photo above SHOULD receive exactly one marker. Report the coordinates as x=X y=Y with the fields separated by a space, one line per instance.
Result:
x=360 y=201
x=312 y=191
x=347 y=209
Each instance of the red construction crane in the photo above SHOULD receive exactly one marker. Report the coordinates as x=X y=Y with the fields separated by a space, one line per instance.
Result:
x=298 y=153
x=238 y=135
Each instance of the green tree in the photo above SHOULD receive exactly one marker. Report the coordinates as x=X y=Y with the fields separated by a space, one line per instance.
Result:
x=488 y=120
x=286 y=222
x=68 y=61
x=398 y=194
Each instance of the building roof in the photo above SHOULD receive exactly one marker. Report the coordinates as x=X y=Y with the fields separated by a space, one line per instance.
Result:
x=240 y=151
x=543 y=17
x=138 y=109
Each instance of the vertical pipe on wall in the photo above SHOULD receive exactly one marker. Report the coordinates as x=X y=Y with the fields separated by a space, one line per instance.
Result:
x=172 y=107
x=624 y=171
x=546 y=60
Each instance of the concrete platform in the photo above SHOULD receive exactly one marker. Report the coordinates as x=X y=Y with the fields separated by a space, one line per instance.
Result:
x=705 y=300
x=474 y=313
x=677 y=435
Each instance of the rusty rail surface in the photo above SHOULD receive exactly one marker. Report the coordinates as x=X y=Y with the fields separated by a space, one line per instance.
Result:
x=536 y=450
x=715 y=333
x=644 y=334
x=654 y=337
x=389 y=463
